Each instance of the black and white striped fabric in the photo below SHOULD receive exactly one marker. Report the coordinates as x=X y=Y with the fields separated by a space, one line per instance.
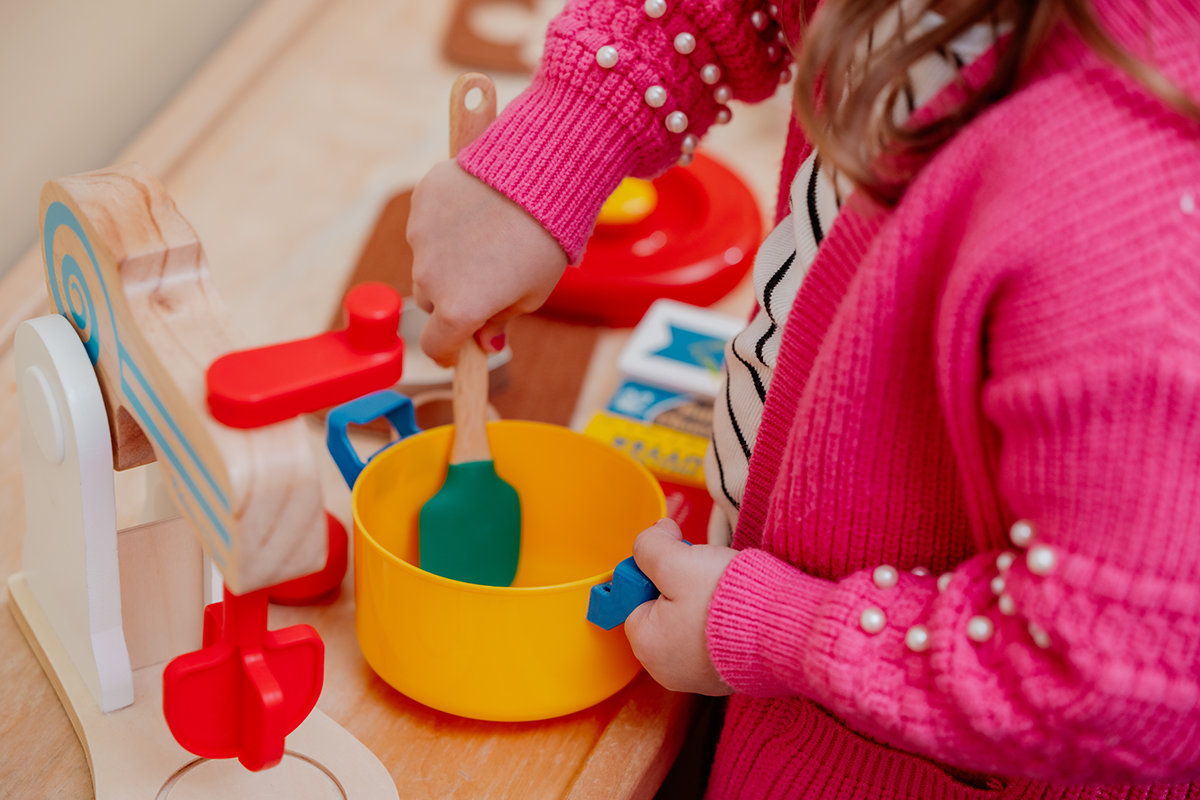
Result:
x=779 y=269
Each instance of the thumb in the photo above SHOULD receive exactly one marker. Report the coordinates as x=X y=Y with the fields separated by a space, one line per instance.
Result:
x=654 y=549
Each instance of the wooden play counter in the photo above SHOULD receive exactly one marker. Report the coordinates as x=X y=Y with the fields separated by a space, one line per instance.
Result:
x=281 y=152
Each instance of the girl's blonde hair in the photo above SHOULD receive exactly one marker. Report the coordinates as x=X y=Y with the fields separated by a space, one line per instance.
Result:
x=847 y=104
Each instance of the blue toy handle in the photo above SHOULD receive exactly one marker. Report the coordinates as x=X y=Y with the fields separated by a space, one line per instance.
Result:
x=611 y=603
x=395 y=407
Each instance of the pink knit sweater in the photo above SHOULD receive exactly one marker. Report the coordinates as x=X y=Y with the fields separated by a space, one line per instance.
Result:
x=1019 y=339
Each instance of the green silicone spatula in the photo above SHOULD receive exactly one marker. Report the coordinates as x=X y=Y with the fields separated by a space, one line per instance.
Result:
x=471 y=529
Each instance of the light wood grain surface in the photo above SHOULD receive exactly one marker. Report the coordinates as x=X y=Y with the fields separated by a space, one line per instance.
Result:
x=281 y=153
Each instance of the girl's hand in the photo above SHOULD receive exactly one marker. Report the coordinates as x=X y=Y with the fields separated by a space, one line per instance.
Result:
x=479 y=260
x=667 y=634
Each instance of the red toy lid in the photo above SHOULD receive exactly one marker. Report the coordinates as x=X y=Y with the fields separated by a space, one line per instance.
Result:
x=694 y=247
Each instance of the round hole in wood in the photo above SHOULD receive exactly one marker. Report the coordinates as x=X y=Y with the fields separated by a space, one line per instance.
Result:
x=297 y=777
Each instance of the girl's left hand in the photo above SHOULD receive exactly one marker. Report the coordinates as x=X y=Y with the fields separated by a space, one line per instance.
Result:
x=667 y=634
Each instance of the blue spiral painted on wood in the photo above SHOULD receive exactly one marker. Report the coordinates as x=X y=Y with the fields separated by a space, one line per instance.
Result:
x=68 y=285
x=73 y=299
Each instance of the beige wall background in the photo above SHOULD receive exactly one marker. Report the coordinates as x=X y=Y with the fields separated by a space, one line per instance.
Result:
x=79 y=78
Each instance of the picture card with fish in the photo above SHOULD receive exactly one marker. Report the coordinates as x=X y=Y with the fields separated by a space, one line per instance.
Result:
x=679 y=347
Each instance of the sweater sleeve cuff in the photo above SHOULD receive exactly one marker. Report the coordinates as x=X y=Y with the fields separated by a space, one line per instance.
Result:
x=759 y=620
x=561 y=180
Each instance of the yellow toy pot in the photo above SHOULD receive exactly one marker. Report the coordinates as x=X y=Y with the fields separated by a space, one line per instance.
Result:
x=512 y=653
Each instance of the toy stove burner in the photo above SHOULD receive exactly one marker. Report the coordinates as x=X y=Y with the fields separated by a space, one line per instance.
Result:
x=694 y=246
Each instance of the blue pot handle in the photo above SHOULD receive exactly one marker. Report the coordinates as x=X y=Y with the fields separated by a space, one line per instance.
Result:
x=395 y=407
x=611 y=603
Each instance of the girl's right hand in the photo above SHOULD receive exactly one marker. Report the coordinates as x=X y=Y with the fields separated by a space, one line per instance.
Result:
x=479 y=260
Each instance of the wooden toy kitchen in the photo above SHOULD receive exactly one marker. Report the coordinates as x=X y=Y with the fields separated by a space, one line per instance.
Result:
x=133 y=493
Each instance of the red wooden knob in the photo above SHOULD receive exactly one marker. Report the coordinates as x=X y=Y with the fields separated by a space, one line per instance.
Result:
x=372 y=317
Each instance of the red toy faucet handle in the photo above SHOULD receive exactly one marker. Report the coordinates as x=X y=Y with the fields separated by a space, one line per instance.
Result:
x=247 y=688
x=252 y=388
x=372 y=318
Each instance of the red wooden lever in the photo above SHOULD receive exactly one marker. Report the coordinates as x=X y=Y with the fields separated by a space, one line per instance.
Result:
x=252 y=388
x=247 y=688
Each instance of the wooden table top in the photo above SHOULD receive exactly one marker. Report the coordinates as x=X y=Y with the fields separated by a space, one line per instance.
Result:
x=281 y=152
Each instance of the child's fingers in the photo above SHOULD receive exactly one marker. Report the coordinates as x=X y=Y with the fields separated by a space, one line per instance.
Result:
x=636 y=620
x=670 y=526
x=422 y=299
x=639 y=629
x=650 y=636
x=491 y=338
x=493 y=335
x=656 y=551
x=442 y=338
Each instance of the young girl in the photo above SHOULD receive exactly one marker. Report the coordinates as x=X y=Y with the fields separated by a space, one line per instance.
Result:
x=959 y=443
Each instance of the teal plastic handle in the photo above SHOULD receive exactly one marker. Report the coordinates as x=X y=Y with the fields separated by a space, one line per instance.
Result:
x=611 y=603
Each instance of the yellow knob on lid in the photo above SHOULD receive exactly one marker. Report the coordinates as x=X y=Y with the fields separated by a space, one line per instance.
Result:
x=632 y=202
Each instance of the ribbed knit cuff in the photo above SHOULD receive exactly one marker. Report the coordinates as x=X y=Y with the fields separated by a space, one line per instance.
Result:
x=562 y=180
x=759 y=620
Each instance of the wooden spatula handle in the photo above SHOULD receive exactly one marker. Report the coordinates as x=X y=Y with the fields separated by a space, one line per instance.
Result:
x=470 y=372
x=467 y=123
x=470 y=405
